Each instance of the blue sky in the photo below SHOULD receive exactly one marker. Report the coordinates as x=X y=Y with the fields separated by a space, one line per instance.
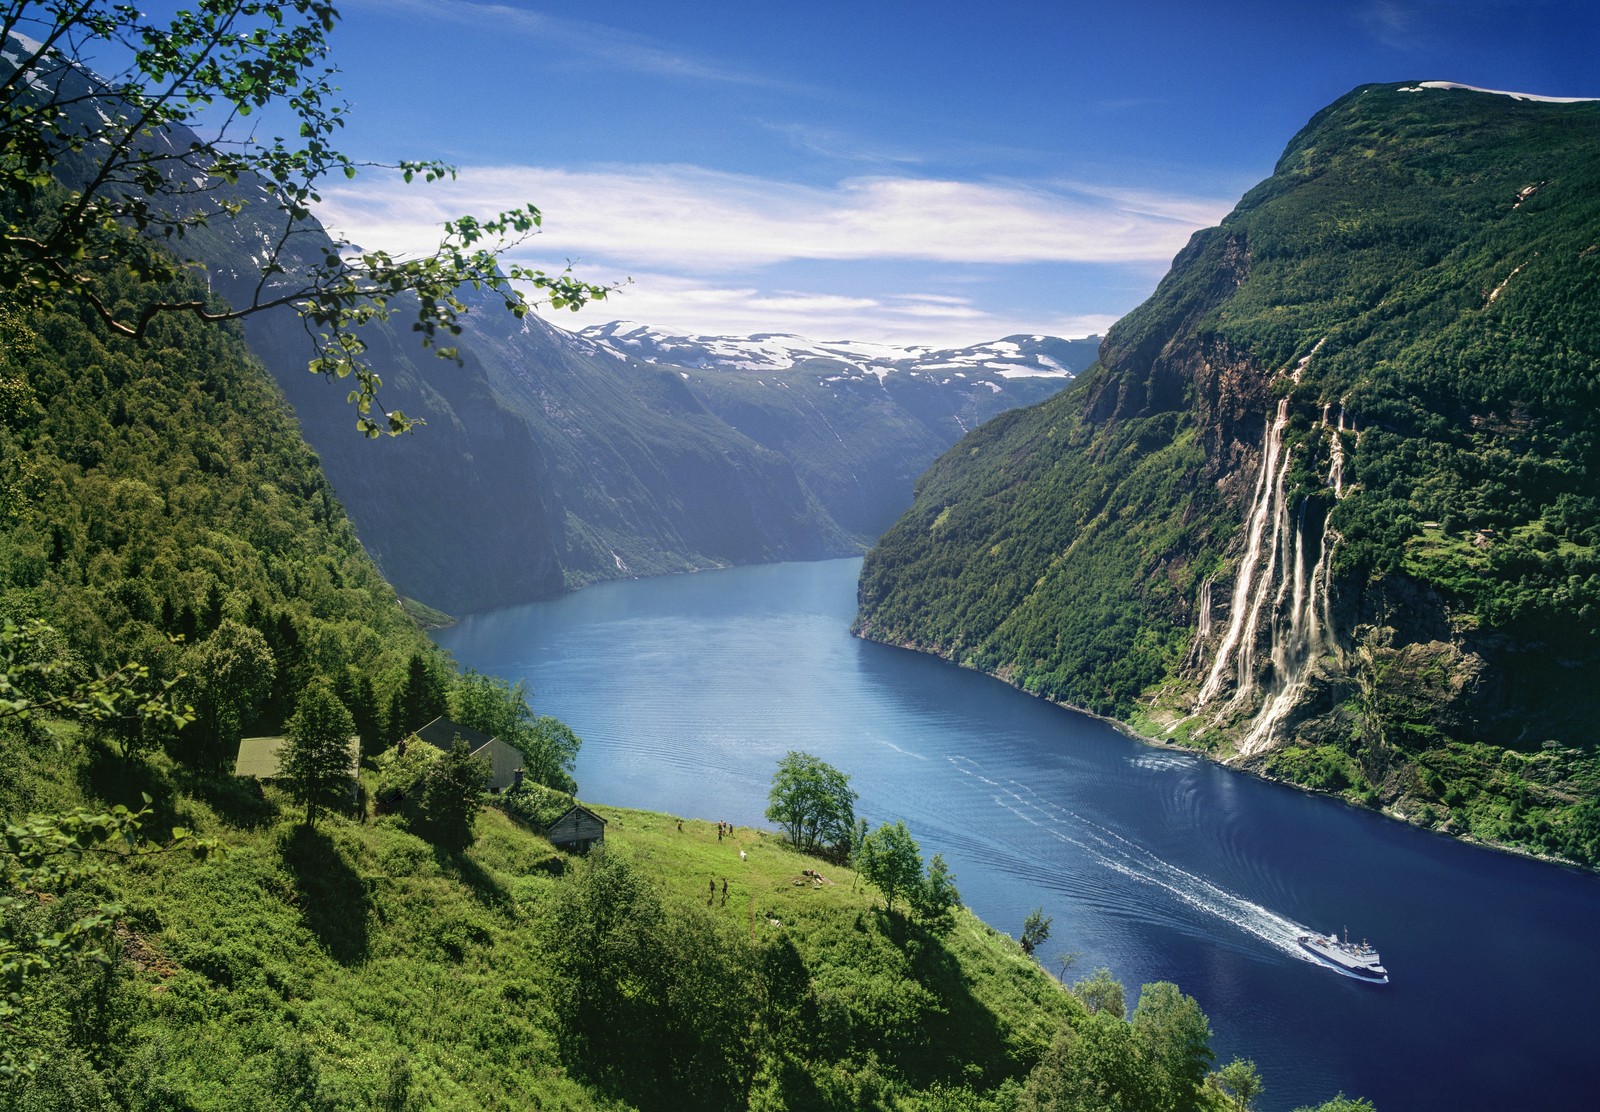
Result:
x=902 y=172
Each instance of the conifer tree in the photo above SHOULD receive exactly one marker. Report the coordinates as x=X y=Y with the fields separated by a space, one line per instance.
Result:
x=316 y=755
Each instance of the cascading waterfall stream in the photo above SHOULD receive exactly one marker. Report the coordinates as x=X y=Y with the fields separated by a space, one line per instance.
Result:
x=1202 y=626
x=1336 y=454
x=1279 y=582
x=1266 y=488
x=1296 y=647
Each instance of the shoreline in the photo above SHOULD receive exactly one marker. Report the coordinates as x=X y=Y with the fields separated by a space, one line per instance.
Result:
x=1133 y=734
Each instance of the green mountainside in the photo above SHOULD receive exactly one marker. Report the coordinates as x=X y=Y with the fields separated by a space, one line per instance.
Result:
x=1329 y=505
x=153 y=494
x=157 y=490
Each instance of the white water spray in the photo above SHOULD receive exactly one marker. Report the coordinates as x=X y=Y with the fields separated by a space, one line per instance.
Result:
x=1280 y=584
x=1336 y=454
x=1268 y=484
x=1202 y=625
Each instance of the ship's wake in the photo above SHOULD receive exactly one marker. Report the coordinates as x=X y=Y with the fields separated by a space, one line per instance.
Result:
x=1110 y=850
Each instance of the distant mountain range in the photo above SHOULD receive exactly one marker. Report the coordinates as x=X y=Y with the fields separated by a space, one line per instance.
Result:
x=550 y=459
x=1012 y=357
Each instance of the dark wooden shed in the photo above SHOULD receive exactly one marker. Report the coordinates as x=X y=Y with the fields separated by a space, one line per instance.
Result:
x=577 y=830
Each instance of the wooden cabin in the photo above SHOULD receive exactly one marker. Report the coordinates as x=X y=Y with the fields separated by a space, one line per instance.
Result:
x=261 y=758
x=577 y=830
x=504 y=761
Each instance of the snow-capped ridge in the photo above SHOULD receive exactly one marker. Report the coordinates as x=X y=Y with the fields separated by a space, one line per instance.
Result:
x=1020 y=356
x=1419 y=86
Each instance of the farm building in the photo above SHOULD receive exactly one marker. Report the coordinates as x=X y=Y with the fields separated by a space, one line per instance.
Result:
x=504 y=760
x=260 y=757
x=577 y=830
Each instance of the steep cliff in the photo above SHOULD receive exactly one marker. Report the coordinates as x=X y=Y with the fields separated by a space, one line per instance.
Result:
x=1327 y=507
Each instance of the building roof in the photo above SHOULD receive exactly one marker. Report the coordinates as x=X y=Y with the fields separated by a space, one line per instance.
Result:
x=504 y=759
x=261 y=756
x=442 y=733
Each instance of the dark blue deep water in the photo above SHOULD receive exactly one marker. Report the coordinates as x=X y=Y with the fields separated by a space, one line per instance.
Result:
x=688 y=689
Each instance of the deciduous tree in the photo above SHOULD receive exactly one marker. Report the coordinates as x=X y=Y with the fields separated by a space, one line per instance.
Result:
x=124 y=139
x=935 y=897
x=891 y=861
x=1174 y=1037
x=230 y=672
x=1240 y=1081
x=813 y=802
x=1035 y=930
x=452 y=796
x=1101 y=992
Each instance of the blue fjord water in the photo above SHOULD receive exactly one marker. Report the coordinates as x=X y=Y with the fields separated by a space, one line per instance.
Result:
x=687 y=690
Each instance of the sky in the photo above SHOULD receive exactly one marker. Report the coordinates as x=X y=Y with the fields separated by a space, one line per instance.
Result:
x=913 y=173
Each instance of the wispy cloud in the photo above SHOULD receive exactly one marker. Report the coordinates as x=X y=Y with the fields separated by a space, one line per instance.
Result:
x=678 y=303
x=1390 y=23
x=689 y=219
x=597 y=42
x=834 y=143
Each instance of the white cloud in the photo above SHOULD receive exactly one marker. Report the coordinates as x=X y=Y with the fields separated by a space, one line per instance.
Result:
x=696 y=307
x=704 y=221
x=706 y=248
x=1390 y=23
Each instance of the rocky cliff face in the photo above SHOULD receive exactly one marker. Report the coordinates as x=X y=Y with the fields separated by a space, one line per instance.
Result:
x=1327 y=507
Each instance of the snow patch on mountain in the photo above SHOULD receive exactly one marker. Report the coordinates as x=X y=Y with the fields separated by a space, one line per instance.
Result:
x=1417 y=88
x=767 y=352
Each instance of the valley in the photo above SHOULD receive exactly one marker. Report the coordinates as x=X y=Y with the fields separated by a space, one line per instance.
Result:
x=295 y=509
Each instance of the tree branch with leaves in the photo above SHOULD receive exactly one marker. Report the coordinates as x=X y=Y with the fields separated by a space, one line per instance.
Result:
x=122 y=140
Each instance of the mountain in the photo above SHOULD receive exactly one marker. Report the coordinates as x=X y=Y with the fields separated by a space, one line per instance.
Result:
x=1327 y=506
x=546 y=460
x=1013 y=357
x=551 y=460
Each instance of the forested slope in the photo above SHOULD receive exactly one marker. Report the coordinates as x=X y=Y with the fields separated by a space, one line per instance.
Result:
x=1328 y=505
x=154 y=493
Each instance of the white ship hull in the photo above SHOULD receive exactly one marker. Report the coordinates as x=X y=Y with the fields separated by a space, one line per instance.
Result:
x=1361 y=962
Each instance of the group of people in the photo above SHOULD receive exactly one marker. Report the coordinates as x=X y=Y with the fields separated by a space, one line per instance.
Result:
x=722 y=828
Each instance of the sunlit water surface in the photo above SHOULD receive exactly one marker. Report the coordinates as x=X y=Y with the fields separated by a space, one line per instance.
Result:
x=687 y=690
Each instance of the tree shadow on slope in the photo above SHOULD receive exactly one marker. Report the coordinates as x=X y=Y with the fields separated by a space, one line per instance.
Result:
x=483 y=885
x=107 y=776
x=330 y=893
x=238 y=801
x=957 y=1041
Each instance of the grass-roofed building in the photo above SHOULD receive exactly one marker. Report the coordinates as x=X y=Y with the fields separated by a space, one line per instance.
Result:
x=262 y=757
x=505 y=761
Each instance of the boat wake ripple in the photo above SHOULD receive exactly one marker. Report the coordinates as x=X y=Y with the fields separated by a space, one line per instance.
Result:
x=1128 y=858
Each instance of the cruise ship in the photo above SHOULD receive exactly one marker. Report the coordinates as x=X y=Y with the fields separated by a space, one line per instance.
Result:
x=1353 y=960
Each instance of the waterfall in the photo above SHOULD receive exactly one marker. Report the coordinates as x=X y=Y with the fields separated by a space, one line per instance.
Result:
x=1269 y=483
x=1336 y=453
x=1202 y=625
x=1279 y=584
x=1294 y=650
